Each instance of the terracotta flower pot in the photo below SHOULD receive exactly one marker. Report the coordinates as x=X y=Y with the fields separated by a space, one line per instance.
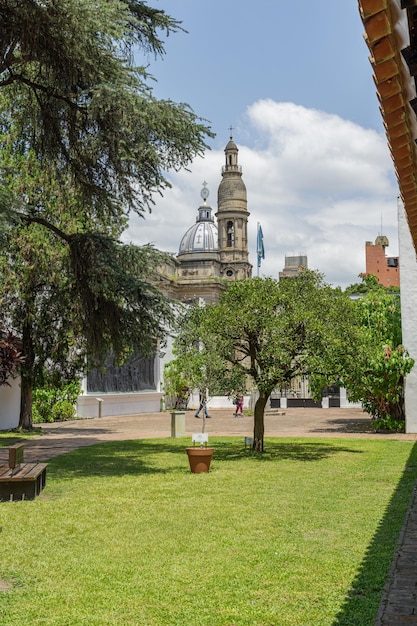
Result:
x=200 y=459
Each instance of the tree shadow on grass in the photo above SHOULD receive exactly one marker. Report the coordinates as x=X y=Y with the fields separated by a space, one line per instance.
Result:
x=165 y=456
x=347 y=425
x=362 y=603
x=288 y=450
x=118 y=458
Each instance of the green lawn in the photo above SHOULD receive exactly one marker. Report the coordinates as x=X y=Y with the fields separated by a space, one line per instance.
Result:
x=125 y=534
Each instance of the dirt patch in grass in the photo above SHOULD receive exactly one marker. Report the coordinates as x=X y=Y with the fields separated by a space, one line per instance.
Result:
x=5 y=585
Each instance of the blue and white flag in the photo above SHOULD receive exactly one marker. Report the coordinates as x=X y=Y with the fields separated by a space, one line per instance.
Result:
x=260 y=250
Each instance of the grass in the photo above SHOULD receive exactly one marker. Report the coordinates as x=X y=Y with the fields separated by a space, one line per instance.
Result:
x=8 y=437
x=125 y=534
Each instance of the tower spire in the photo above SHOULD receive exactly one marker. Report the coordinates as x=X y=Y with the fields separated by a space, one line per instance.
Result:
x=232 y=218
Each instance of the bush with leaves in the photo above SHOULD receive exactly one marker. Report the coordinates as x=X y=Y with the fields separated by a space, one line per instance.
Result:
x=177 y=384
x=378 y=381
x=53 y=402
x=376 y=376
x=10 y=357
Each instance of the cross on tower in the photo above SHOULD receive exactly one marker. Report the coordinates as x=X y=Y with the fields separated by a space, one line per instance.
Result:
x=231 y=129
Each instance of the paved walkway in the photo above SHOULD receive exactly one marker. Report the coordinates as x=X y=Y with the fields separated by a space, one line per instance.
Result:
x=399 y=602
x=61 y=437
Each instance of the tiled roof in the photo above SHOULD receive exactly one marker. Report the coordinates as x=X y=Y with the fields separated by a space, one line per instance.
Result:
x=391 y=35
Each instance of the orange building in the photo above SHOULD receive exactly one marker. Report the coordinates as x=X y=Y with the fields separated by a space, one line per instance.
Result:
x=385 y=268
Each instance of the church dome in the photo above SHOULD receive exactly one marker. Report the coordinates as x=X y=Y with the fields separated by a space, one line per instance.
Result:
x=203 y=236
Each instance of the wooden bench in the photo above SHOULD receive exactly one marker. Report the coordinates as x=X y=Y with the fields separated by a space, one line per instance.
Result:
x=20 y=480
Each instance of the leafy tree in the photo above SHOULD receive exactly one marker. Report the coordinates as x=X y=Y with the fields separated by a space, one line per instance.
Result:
x=81 y=105
x=178 y=384
x=64 y=319
x=270 y=332
x=369 y=282
x=83 y=142
x=198 y=365
x=377 y=375
x=10 y=357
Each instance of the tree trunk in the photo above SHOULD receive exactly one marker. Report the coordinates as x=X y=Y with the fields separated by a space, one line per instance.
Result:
x=25 y=418
x=259 y=423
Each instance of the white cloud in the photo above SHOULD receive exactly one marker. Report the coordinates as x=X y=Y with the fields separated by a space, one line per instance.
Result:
x=318 y=184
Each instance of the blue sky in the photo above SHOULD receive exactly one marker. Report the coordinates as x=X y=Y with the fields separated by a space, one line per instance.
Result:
x=294 y=81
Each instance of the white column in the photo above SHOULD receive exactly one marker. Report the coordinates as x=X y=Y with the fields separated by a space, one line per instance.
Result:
x=408 y=284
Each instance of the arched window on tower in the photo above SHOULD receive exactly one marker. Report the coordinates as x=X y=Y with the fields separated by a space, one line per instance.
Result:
x=230 y=234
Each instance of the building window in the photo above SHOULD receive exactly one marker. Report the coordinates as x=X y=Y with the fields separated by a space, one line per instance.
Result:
x=230 y=230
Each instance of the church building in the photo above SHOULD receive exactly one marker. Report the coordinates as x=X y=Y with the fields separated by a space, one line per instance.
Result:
x=213 y=251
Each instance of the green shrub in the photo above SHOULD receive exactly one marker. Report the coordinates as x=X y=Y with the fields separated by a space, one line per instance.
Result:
x=42 y=403
x=37 y=417
x=46 y=398
x=389 y=423
x=62 y=410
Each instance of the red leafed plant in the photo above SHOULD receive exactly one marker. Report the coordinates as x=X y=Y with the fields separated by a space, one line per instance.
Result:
x=10 y=357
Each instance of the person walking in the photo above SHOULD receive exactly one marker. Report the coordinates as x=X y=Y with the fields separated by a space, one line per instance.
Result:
x=239 y=405
x=203 y=406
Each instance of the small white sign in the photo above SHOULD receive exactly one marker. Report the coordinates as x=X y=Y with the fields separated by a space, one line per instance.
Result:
x=199 y=438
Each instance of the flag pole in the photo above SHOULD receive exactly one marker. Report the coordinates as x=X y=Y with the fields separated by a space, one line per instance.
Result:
x=257 y=249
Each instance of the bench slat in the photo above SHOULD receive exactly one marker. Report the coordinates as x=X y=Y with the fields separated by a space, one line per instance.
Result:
x=33 y=473
x=27 y=472
x=5 y=471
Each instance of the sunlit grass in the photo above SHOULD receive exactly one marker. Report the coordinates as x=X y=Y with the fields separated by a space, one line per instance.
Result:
x=125 y=534
x=8 y=437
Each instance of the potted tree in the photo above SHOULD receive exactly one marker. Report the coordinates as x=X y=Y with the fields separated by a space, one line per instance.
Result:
x=203 y=366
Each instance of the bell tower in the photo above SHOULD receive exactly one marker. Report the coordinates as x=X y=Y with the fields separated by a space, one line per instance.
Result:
x=232 y=219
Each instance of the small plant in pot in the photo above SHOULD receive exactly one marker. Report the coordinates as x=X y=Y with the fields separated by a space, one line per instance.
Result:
x=199 y=456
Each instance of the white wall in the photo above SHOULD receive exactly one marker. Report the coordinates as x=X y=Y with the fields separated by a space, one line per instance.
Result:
x=408 y=277
x=10 y=405
x=113 y=404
